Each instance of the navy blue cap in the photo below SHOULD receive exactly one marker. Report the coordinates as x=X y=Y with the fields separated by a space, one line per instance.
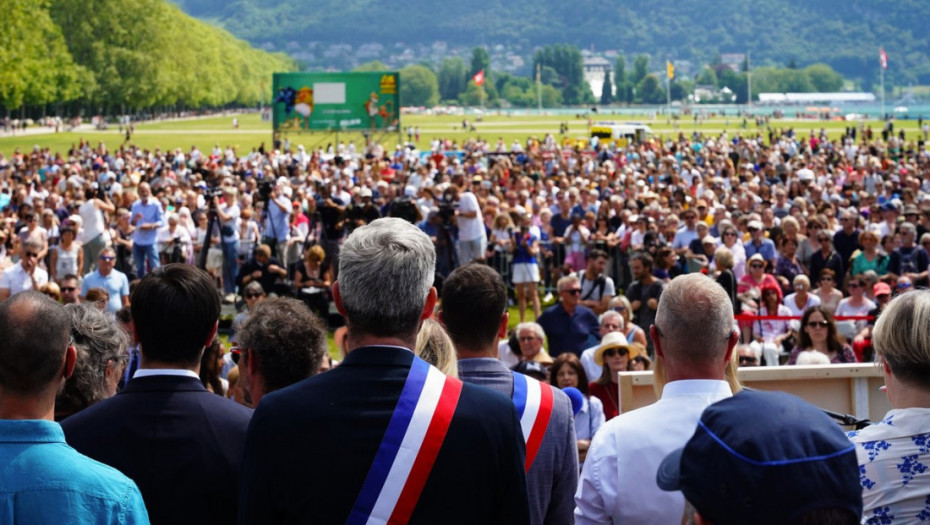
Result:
x=764 y=458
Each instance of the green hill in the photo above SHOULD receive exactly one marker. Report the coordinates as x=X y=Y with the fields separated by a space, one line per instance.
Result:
x=845 y=35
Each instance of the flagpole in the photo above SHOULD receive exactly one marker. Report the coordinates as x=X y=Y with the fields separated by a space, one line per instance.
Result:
x=538 y=89
x=881 y=68
x=668 y=90
x=749 y=80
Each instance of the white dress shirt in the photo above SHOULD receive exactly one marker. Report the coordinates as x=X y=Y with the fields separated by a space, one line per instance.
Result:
x=17 y=280
x=626 y=452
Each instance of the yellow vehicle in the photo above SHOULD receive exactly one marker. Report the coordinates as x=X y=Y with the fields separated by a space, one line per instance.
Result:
x=623 y=134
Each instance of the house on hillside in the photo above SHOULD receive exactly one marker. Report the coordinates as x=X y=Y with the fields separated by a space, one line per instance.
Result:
x=595 y=69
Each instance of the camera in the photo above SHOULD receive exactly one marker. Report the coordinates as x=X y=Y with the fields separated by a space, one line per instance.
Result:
x=265 y=189
x=101 y=190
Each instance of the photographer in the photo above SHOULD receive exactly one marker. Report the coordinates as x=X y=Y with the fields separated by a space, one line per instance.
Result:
x=175 y=242
x=473 y=240
x=227 y=213
x=94 y=235
x=332 y=215
x=276 y=224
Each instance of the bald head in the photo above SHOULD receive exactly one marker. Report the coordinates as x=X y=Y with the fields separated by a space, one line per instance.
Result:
x=34 y=331
x=695 y=320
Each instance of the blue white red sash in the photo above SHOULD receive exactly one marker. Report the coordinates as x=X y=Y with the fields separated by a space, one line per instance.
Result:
x=409 y=447
x=534 y=406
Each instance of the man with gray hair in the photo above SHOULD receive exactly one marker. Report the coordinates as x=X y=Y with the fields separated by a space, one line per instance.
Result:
x=569 y=326
x=26 y=275
x=280 y=343
x=909 y=259
x=402 y=441
x=694 y=338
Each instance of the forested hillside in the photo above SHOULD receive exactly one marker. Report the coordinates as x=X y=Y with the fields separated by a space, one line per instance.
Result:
x=845 y=35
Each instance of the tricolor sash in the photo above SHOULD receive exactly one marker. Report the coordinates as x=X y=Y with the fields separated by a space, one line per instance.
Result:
x=409 y=447
x=534 y=406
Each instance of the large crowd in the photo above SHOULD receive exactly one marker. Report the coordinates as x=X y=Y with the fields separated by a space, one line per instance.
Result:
x=688 y=255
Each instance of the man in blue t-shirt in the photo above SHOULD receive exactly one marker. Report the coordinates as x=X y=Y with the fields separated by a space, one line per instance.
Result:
x=113 y=281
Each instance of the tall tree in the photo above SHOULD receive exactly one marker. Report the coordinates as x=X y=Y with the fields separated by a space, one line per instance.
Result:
x=451 y=78
x=607 y=89
x=649 y=90
x=620 y=70
x=418 y=86
x=640 y=69
x=480 y=61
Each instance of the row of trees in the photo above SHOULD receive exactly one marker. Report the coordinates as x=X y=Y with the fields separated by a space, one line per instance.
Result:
x=123 y=55
x=561 y=74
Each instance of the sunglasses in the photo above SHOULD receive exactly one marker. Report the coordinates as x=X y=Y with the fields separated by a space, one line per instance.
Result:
x=757 y=266
x=253 y=295
x=108 y=258
x=68 y=288
x=855 y=285
x=818 y=324
x=573 y=291
x=619 y=308
x=729 y=234
x=31 y=254
x=611 y=352
x=529 y=338
x=747 y=360
x=904 y=285
x=234 y=353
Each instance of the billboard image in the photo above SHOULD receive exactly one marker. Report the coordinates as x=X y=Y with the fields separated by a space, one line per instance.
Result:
x=336 y=101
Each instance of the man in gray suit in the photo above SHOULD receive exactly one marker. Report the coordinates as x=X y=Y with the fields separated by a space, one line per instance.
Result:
x=474 y=311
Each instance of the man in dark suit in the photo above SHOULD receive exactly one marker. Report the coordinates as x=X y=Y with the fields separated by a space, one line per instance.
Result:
x=180 y=443
x=455 y=459
x=474 y=311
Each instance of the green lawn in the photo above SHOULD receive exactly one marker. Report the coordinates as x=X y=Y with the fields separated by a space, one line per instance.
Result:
x=206 y=132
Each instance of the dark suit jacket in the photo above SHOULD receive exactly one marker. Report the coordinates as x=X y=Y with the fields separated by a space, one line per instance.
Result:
x=310 y=447
x=181 y=444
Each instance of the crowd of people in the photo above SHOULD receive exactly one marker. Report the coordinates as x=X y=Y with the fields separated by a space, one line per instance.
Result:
x=687 y=256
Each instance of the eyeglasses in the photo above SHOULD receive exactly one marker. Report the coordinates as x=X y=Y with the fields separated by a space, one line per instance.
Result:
x=30 y=254
x=68 y=288
x=573 y=291
x=818 y=324
x=108 y=258
x=234 y=353
x=253 y=295
x=611 y=352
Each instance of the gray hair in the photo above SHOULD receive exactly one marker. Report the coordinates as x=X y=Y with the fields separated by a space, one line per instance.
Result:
x=900 y=337
x=610 y=314
x=100 y=342
x=695 y=319
x=801 y=279
x=533 y=327
x=565 y=281
x=386 y=270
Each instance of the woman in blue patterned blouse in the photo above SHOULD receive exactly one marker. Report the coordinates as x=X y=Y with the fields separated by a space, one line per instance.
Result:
x=894 y=455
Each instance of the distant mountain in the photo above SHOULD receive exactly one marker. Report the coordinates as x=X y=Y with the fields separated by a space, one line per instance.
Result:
x=846 y=35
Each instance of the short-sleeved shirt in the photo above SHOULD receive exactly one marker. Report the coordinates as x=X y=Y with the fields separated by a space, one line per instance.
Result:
x=17 y=280
x=766 y=249
x=116 y=284
x=470 y=229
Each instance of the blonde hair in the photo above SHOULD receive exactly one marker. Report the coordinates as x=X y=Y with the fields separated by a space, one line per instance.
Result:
x=900 y=337
x=436 y=348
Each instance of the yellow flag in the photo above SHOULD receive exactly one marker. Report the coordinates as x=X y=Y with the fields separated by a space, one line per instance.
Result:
x=670 y=70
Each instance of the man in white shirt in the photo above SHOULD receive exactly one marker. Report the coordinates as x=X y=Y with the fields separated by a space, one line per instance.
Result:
x=26 y=275
x=473 y=240
x=694 y=337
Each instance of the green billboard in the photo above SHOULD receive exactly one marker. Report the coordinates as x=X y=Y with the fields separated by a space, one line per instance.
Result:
x=336 y=101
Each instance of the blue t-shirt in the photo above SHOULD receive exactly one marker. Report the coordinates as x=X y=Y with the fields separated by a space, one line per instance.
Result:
x=46 y=481
x=116 y=284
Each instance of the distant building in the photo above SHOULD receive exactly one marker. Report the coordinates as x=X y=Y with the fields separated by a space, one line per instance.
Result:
x=733 y=61
x=595 y=69
x=816 y=98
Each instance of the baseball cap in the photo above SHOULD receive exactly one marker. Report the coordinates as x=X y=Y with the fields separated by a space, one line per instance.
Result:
x=764 y=458
x=881 y=288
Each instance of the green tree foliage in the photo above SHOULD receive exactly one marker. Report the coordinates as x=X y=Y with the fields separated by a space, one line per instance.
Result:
x=680 y=89
x=480 y=61
x=649 y=90
x=606 y=90
x=823 y=78
x=451 y=78
x=35 y=66
x=620 y=70
x=565 y=60
x=640 y=69
x=707 y=77
x=418 y=86
x=116 y=55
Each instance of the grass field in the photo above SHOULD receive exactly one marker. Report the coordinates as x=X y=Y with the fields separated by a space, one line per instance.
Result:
x=252 y=132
